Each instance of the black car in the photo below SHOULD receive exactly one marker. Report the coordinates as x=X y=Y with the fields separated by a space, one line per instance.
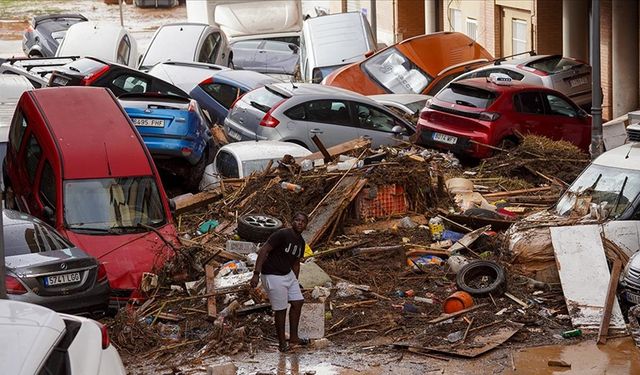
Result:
x=44 y=268
x=44 y=34
x=120 y=79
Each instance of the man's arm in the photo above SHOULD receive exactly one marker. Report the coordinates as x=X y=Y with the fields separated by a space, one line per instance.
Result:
x=262 y=256
x=296 y=267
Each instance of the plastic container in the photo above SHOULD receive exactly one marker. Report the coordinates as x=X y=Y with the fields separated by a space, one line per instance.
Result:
x=457 y=301
x=436 y=226
x=572 y=333
x=291 y=187
x=456 y=262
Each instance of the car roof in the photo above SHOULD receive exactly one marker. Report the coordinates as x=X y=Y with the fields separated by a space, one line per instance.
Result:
x=483 y=83
x=400 y=98
x=28 y=334
x=260 y=150
x=626 y=156
x=300 y=89
x=526 y=59
x=95 y=138
x=246 y=78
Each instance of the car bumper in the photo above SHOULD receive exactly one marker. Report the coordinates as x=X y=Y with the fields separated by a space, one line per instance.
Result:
x=238 y=133
x=167 y=148
x=463 y=144
x=92 y=301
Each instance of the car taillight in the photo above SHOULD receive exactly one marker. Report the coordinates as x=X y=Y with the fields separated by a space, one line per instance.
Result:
x=186 y=151
x=488 y=116
x=90 y=78
x=207 y=81
x=105 y=335
x=102 y=273
x=268 y=120
x=425 y=114
x=13 y=285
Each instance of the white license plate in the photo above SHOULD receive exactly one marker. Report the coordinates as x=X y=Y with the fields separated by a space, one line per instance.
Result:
x=578 y=81
x=148 y=122
x=235 y=135
x=60 y=81
x=65 y=278
x=439 y=137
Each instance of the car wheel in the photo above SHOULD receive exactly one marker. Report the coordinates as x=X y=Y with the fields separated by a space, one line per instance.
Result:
x=230 y=63
x=35 y=54
x=257 y=227
x=481 y=278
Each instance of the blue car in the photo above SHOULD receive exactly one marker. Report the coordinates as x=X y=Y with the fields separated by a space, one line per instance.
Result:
x=218 y=93
x=175 y=132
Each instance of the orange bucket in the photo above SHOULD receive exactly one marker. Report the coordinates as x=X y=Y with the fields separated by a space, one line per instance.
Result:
x=457 y=301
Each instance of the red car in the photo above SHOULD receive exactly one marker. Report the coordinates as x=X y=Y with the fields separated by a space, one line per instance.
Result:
x=471 y=113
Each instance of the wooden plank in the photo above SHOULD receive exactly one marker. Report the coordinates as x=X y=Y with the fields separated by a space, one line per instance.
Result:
x=444 y=317
x=210 y=274
x=516 y=192
x=468 y=239
x=323 y=150
x=336 y=150
x=219 y=137
x=384 y=224
x=191 y=202
x=608 y=303
x=329 y=210
x=584 y=275
x=476 y=222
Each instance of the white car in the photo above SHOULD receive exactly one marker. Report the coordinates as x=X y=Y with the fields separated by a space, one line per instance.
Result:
x=240 y=159
x=37 y=340
x=185 y=75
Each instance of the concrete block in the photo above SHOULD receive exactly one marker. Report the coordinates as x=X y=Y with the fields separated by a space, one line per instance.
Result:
x=312 y=275
x=225 y=369
x=311 y=321
x=241 y=247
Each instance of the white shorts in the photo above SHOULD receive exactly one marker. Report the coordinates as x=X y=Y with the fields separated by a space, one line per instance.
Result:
x=281 y=290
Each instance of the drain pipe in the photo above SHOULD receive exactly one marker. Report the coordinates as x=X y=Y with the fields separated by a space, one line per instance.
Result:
x=3 y=285
x=597 y=146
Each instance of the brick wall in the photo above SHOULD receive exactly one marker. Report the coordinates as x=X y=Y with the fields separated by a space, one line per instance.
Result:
x=547 y=27
x=409 y=19
x=605 y=58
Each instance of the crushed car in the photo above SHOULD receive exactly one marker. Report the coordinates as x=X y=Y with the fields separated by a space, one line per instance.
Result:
x=44 y=34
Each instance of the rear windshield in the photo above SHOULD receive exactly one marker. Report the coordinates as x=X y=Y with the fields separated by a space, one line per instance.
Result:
x=85 y=66
x=31 y=237
x=173 y=43
x=467 y=96
x=262 y=99
x=554 y=64
x=396 y=73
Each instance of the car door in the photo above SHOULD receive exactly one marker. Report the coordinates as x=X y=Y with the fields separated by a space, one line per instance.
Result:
x=378 y=125
x=329 y=119
x=528 y=116
x=222 y=97
x=211 y=51
x=566 y=120
x=245 y=54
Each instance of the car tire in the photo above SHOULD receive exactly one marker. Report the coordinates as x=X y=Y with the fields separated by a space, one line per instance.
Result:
x=257 y=227
x=468 y=277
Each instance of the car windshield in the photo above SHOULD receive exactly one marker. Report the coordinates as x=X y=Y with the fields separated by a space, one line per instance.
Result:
x=396 y=73
x=112 y=205
x=599 y=184
x=467 y=96
x=31 y=237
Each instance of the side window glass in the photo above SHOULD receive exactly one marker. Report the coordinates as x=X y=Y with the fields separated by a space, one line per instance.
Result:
x=328 y=111
x=48 y=186
x=32 y=157
x=373 y=118
x=18 y=127
x=296 y=113
x=124 y=49
x=514 y=75
x=442 y=83
x=529 y=102
x=560 y=107
x=227 y=165
x=131 y=84
x=222 y=93
x=210 y=49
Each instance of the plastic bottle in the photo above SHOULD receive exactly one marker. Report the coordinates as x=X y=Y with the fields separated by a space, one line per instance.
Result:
x=572 y=333
x=436 y=226
x=291 y=187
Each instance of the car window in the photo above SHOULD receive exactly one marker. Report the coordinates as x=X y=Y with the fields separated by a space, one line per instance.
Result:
x=210 y=48
x=277 y=46
x=442 y=83
x=396 y=73
x=468 y=96
x=248 y=44
x=560 y=107
x=222 y=93
x=227 y=165
x=31 y=237
x=48 y=186
x=296 y=113
x=131 y=84
x=553 y=64
x=327 y=111
x=372 y=118
x=529 y=102
x=32 y=157
x=263 y=99
x=124 y=49
x=18 y=127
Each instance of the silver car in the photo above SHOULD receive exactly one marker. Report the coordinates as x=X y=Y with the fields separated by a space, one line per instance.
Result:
x=296 y=112
x=569 y=76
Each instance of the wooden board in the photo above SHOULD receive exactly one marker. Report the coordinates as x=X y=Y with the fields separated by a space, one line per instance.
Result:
x=476 y=222
x=336 y=150
x=384 y=224
x=584 y=275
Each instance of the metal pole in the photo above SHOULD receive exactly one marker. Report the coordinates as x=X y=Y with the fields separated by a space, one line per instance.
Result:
x=3 y=286
x=121 y=19
x=374 y=20
x=596 y=147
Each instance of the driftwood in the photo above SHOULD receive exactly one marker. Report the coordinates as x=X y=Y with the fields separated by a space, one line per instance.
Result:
x=608 y=304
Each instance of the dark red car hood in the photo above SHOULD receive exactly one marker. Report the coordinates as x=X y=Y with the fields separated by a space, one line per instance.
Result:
x=127 y=256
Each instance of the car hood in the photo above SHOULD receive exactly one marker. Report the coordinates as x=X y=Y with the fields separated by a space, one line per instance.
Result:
x=241 y=19
x=43 y=258
x=126 y=257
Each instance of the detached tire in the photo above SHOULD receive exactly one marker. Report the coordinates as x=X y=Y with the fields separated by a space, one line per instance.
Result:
x=257 y=227
x=481 y=278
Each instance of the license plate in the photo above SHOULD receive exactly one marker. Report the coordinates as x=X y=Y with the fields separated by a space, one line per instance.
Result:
x=578 y=81
x=235 y=135
x=632 y=298
x=449 y=139
x=65 y=278
x=148 y=122
x=60 y=81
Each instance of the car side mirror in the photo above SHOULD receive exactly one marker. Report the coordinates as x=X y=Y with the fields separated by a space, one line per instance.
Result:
x=397 y=130
x=172 y=207
x=293 y=47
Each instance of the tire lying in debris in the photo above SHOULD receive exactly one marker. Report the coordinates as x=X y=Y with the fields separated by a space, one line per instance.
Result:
x=257 y=227
x=481 y=278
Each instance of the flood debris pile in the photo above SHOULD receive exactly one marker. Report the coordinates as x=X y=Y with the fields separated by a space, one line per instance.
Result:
x=406 y=252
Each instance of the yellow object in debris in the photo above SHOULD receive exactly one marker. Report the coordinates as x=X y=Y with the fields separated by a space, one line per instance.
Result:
x=307 y=251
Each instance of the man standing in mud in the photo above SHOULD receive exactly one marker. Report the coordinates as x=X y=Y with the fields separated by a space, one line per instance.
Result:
x=279 y=264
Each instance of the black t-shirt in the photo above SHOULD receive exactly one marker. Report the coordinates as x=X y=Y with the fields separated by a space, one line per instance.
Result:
x=287 y=247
